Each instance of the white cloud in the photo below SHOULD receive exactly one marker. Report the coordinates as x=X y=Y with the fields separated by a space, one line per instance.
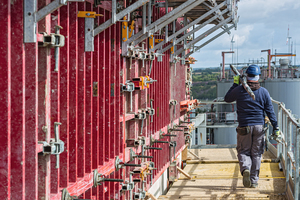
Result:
x=263 y=24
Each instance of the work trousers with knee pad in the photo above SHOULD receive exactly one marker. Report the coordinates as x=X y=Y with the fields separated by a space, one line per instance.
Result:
x=250 y=147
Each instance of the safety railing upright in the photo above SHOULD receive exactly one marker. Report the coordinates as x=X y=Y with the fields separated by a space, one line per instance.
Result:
x=288 y=149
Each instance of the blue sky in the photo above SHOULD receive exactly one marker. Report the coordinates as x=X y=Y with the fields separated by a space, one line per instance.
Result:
x=263 y=24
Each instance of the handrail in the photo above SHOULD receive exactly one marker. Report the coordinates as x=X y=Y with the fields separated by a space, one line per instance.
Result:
x=288 y=149
x=292 y=118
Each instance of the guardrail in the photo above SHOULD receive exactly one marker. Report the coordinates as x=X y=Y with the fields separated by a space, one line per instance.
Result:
x=221 y=117
x=288 y=149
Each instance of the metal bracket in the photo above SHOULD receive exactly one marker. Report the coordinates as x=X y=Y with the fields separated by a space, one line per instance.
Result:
x=139 y=195
x=32 y=16
x=173 y=144
x=162 y=135
x=120 y=164
x=134 y=155
x=127 y=186
x=152 y=141
x=99 y=178
x=135 y=143
x=55 y=146
x=151 y=111
x=88 y=14
x=55 y=40
x=128 y=87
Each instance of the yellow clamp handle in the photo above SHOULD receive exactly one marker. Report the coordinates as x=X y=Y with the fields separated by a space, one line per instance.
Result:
x=88 y=14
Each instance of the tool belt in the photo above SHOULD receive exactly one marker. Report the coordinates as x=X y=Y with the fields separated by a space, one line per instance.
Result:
x=243 y=130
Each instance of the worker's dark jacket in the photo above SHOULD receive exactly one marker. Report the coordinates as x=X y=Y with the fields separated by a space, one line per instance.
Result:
x=251 y=112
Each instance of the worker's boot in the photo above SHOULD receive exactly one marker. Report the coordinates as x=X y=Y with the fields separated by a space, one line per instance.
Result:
x=246 y=178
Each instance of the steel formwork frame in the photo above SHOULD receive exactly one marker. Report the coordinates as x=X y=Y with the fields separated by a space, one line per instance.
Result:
x=85 y=95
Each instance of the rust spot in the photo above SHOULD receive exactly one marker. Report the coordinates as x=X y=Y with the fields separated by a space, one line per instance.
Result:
x=95 y=89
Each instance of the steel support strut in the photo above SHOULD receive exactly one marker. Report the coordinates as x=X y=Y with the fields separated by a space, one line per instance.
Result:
x=119 y=16
x=160 y=23
x=191 y=32
x=209 y=41
x=202 y=36
x=174 y=35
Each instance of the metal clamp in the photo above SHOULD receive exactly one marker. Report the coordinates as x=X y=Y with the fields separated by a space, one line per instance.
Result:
x=134 y=155
x=153 y=141
x=150 y=111
x=141 y=116
x=55 y=40
x=128 y=185
x=99 y=178
x=173 y=144
x=173 y=102
x=120 y=164
x=128 y=87
x=175 y=60
x=175 y=128
x=135 y=143
x=139 y=195
x=88 y=14
x=32 y=16
x=55 y=146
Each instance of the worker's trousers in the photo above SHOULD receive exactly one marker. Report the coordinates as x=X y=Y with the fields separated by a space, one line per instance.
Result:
x=250 y=147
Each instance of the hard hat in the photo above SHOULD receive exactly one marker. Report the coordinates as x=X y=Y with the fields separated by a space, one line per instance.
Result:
x=253 y=70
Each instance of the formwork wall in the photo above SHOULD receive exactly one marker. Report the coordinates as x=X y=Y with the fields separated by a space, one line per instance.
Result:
x=85 y=97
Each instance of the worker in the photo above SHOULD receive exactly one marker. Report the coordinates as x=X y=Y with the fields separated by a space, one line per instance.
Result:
x=251 y=114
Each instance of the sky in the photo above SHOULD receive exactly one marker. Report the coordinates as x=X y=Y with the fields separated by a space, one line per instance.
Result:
x=263 y=24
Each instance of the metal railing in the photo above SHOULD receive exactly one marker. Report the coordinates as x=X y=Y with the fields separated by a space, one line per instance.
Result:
x=221 y=117
x=276 y=73
x=288 y=149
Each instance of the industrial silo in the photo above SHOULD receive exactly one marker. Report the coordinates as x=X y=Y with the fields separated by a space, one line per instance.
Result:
x=224 y=128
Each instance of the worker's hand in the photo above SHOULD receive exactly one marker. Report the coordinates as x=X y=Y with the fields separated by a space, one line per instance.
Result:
x=276 y=131
x=236 y=80
x=277 y=134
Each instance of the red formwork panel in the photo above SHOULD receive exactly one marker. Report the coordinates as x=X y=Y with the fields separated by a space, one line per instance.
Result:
x=85 y=96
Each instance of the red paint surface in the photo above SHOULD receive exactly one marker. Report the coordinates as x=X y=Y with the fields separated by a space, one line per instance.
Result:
x=94 y=127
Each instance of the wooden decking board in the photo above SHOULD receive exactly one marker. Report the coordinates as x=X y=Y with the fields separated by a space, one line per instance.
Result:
x=224 y=181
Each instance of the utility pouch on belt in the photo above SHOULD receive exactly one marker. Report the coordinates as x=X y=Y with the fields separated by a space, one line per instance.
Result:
x=243 y=130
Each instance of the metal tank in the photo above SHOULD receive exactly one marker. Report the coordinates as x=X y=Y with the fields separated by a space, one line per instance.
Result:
x=224 y=135
x=286 y=91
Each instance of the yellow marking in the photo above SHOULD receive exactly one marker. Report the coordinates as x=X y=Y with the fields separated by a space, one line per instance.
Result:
x=158 y=40
x=151 y=42
x=124 y=30
x=131 y=28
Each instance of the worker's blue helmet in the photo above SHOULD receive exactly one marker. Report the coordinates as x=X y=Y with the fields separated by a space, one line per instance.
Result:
x=253 y=70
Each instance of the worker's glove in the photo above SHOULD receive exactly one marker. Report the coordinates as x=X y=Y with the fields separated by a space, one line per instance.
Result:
x=236 y=80
x=277 y=134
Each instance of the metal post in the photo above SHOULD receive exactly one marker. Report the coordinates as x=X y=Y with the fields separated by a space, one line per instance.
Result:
x=149 y=12
x=144 y=18
x=279 y=120
x=56 y=133
x=167 y=26
x=288 y=148
x=296 y=178
x=113 y=11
